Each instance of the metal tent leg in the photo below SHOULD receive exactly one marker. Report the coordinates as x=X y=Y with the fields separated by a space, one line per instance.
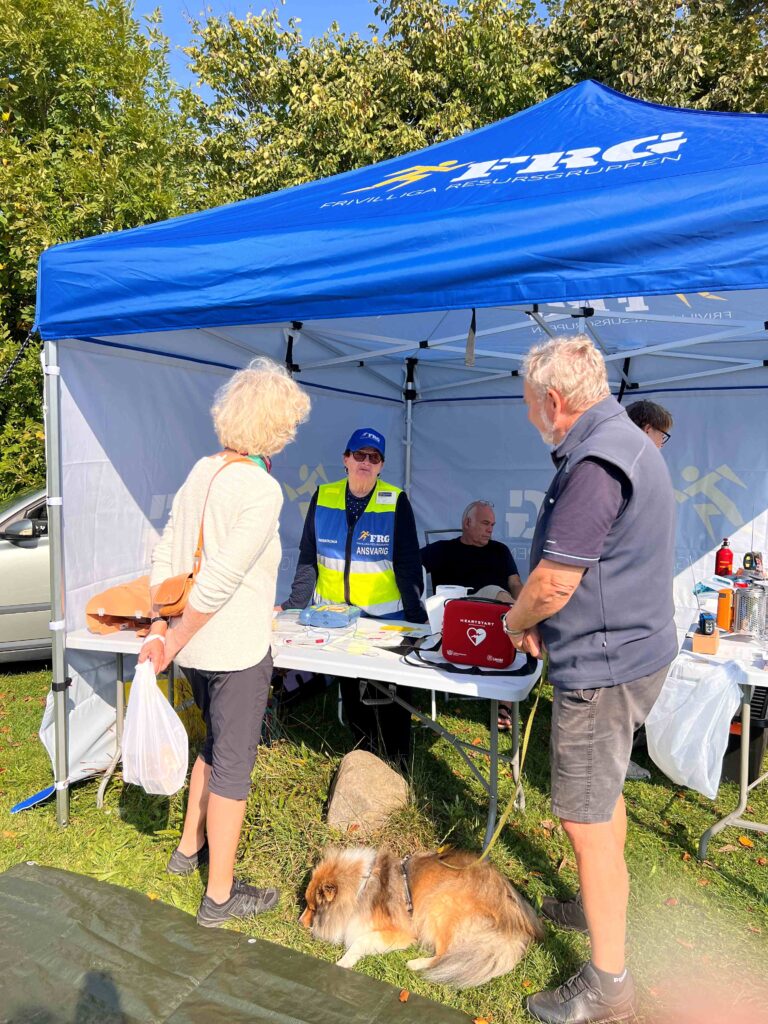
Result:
x=60 y=682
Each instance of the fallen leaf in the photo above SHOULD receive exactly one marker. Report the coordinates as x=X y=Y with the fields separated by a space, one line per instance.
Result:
x=354 y=827
x=703 y=881
x=672 y=901
x=680 y=796
x=404 y=995
x=686 y=856
x=535 y=874
x=153 y=896
x=477 y=742
x=728 y=848
x=481 y=1020
x=548 y=824
x=762 y=861
x=684 y=944
x=754 y=928
x=8 y=834
x=527 y=984
x=746 y=841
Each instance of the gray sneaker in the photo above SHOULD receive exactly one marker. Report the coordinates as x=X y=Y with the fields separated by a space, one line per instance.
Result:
x=180 y=864
x=637 y=773
x=244 y=901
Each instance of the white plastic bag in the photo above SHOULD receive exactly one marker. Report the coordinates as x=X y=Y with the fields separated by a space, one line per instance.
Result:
x=155 y=746
x=688 y=725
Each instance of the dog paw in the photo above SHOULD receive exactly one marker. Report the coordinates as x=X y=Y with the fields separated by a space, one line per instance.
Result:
x=419 y=963
x=347 y=961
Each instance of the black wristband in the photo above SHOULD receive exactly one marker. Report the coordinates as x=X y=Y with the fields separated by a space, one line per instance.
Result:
x=158 y=618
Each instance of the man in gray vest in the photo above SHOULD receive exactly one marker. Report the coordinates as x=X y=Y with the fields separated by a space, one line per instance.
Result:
x=599 y=599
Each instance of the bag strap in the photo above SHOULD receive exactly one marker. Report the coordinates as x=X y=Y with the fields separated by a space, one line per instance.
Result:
x=473 y=670
x=229 y=457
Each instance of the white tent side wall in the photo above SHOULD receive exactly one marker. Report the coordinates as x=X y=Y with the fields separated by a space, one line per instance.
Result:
x=132 y=425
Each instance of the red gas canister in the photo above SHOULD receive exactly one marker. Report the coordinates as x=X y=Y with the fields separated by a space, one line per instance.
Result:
x=724 y=559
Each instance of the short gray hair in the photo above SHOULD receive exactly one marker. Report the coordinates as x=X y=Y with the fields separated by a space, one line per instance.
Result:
x=478 y=503
x=571 y=366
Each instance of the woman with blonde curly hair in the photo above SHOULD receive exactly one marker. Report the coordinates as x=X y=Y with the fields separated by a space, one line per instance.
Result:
x=222 y=640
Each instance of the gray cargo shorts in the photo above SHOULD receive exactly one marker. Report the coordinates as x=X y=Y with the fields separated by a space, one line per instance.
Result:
x=591 y=743
x=232 y=705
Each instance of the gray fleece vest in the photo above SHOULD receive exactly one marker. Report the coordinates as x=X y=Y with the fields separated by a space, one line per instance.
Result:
x=619 y=624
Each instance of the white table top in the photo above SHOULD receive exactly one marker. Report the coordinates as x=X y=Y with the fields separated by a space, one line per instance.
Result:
x=355 y=654
x=738 y=647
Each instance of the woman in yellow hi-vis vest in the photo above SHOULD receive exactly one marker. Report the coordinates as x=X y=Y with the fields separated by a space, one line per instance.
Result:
x=360 y=546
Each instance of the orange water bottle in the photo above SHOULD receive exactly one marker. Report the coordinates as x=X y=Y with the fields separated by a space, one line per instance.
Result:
x=724 y=560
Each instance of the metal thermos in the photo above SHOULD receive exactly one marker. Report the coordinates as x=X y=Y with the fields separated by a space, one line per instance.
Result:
x=749 y=610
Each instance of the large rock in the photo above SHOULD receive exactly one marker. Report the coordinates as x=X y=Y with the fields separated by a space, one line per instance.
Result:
x=365 y=792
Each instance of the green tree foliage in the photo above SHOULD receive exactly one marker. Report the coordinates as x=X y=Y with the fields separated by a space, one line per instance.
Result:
x=709 y=54
x=90 y=141
x=95 y=137
x=286 y=110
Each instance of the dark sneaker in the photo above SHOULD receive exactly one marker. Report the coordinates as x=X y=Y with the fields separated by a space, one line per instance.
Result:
x=180 y=864
x=567 y=915
x=245 y=901
x=584 y=999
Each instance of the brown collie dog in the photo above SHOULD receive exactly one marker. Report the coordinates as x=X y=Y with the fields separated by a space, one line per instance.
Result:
x=371 y=901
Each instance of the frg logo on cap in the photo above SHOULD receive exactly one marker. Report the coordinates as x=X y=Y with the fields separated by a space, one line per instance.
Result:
x=366 y=437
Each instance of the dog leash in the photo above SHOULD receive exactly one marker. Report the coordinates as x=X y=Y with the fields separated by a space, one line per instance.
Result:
x=543 y=679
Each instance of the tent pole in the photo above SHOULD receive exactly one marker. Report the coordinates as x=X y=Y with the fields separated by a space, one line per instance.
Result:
x=624 y=379
x=409 y=393
x=52 y=395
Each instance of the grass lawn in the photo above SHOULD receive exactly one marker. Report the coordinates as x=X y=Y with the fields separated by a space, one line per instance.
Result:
x=698 y=933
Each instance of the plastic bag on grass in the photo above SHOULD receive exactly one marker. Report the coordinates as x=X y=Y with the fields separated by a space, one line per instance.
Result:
x=688 y=726
x=155 y=747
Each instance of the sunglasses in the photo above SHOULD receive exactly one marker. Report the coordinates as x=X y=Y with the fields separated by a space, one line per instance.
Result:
x=665 y=437
x=373 y=457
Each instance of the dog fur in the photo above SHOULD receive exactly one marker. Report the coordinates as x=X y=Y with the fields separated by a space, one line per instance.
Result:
x=472 y=919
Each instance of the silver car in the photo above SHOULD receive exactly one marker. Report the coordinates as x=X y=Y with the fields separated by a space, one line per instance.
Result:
x=25 y=602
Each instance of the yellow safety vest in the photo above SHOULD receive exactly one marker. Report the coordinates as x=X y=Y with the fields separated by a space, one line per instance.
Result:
x=356 y=565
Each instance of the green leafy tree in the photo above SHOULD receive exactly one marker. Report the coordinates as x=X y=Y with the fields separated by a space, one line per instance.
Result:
x=90 y=141
x=709 y=54
x=285 y=110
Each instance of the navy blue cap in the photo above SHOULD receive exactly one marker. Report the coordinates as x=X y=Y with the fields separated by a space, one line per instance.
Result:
x=366 y=437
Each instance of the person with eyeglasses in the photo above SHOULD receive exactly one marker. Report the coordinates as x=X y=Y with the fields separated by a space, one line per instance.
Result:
x=360 y=547
x=654 y=420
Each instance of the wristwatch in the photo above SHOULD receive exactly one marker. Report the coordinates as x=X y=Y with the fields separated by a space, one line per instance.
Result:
x=510 y=632
x=158 y=618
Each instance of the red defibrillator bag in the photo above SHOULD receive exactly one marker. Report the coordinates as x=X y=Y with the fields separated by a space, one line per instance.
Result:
x=473 y=633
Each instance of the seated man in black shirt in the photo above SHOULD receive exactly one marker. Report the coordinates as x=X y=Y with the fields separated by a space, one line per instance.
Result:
x=486 y=567
x=473 y=560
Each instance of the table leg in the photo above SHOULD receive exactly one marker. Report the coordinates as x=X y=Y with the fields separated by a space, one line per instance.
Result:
x=119 y=719
x=734 y=818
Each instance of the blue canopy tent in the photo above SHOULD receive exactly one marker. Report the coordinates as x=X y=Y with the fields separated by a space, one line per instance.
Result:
x=405 y=295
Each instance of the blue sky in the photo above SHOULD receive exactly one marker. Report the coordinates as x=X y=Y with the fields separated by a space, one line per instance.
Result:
x=316 y=16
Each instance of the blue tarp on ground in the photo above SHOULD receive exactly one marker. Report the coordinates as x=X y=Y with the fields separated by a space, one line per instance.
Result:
x=590 y=193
